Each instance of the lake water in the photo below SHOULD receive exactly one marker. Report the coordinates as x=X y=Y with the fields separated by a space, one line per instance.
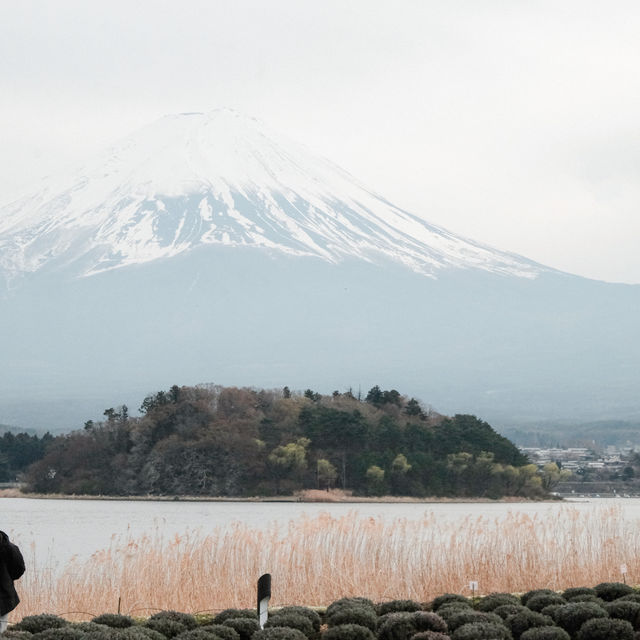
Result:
x=51 y=532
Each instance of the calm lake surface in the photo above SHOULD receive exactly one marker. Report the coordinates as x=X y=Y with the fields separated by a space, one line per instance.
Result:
x=52 y=532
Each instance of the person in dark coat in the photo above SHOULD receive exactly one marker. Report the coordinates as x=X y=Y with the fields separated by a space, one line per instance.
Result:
x=11 y=568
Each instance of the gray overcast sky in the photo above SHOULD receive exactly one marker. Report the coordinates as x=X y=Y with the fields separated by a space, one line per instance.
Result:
x=516 y=123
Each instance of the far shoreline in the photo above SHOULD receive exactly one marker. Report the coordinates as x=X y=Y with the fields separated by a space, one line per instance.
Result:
x=309 y=497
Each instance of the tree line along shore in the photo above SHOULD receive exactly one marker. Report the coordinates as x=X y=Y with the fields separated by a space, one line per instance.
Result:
x=210 y=440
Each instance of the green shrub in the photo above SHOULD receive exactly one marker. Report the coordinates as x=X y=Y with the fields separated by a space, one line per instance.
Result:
x=573 y=615
x=451 y=608
x=429 y=621
x=293 y=621
x=227 y=614
x=624 y=610
x=396 y=626
x=313 y=616
x=60 y=633
x=448 y=598
x=11 y=634
x=525 y=620
x=572 y=592
x=137 y=632
x=430 y=635
x=471 y=616
x=545 y=633
x=277 y=633
x=166 y=626
x=397 y=605
x=348 y=632
x=40 y=622
x=346 y=603
x=525 y=597
x=605 y=629
x=506 y=610
x=550 y=610
x=481 y=631
x=633 y=597
x=493 y=600
x=540 y=601
x=221 y=631
x=91 y=627
x=588 y=598
x=355 y=614
x=610 y=591
x=202 y=633
x=186 y=619
x=245 y=627
x=115 y=620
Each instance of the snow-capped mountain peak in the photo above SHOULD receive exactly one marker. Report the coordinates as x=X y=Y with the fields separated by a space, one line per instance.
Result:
x=222 y=178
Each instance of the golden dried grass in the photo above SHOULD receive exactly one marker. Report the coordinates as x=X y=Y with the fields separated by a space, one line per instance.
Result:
x=314 y=561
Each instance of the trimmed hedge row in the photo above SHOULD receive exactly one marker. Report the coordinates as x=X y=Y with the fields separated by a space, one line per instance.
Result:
x=608 y=611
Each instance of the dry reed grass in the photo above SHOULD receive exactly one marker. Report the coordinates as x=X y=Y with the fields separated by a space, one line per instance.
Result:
x=314 y=561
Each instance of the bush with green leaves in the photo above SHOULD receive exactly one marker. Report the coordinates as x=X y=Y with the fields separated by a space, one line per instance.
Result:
x=606 y=629
x=634 y=597
x=40 y=622
x=520 y=622
x=494 y=600
x=227 y=614
x=469 y=616
x=313 y=616
x=115 y=620
x=451 y=608
x=429 y=621
x=166 y=626
x=430 y=635
x=624 y=610
x=11 y=634
x=186 y=619
x=60 y=633
x=277 y=633
x=91 y=627
x=481 y=631
x=293 y=621
x=354 y=614
x=610 y=591
x=545 y=633
x=245 y=627
x=448 y=598
x=525 y=597
x=221 y=631
x=137 y=632
x=506 y=610
x=550 y=610
x=348 y=632
x=393 y=606
x=572 y=592
x=540 y=601
x=201 y=633
x=573 y=615
x=588 y=598
x=347 y=603
x=399 y=625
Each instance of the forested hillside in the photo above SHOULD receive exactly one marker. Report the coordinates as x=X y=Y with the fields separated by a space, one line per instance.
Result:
x=211 y=440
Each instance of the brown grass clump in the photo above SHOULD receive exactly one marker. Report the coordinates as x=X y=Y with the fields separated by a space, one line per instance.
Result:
x=314 y=561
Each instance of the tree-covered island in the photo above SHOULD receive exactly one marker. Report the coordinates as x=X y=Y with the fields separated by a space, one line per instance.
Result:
x=226 y=441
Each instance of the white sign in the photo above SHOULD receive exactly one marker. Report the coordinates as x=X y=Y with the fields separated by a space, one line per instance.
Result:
x=473 y=585
x=623 y=569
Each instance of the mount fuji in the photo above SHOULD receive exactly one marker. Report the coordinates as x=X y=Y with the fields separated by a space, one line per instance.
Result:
x=205 y=247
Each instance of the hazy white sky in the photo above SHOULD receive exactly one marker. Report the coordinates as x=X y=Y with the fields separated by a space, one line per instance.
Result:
x=516 y=123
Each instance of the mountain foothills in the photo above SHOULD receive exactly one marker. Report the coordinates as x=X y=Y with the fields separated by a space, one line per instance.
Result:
x=216 y=441
x=206 y=247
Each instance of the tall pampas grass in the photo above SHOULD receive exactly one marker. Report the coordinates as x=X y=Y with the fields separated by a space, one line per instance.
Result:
x=314 y=561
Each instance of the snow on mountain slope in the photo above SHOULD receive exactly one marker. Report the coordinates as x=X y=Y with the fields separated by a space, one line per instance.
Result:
x=222 y=178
